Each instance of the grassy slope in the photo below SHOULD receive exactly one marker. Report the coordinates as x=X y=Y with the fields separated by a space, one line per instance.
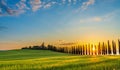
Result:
x=48 y=60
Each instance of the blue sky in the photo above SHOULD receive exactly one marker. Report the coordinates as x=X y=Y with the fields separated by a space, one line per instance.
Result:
x=30 y=22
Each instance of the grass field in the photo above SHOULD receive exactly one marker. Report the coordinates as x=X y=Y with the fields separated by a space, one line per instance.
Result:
x=48 y=60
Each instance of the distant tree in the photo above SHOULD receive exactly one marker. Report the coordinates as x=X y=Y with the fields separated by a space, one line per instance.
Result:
x=30 y=47
x=78 y=49
x=72 y=50
x=86 y=49
x=25 y=48
x=36 y=47
x=119 y=45
x=99 y=49
x=109 y=48
x=114 y=47
x=49 y=47
x=89 y=49
x=83 y=50
x=106 y=49
x=103 y=48
x=43 y=46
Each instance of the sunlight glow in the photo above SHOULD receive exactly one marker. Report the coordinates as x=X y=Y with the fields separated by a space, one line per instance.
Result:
x=93 y=48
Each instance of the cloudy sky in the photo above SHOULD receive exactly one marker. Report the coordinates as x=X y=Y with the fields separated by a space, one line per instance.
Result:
x=30 y=22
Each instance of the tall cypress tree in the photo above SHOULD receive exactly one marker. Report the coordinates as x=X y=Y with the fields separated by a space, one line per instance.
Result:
x=119 y=45
x=99 y=49
x=114 y=47
x=103 y=48
x=109 y=47
x=89 y=49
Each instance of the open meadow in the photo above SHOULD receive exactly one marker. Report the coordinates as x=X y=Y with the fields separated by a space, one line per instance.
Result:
x=49 y=60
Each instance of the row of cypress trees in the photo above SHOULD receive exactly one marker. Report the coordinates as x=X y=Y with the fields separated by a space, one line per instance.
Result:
x=87 y=49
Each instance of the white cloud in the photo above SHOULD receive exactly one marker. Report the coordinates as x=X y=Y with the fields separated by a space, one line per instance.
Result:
x=93 y=19
x=22 y=5
x=48 y=5
x=104 y=18
x=10 y=11
x=69 y=1
x=36 y=4
x=85 y=5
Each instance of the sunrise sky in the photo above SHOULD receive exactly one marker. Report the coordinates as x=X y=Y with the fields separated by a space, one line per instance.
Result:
x=30 y=22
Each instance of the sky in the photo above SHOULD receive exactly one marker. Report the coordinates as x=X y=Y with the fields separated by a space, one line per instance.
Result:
x=31 y=22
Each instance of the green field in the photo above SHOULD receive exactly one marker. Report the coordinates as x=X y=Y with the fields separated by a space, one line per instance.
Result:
x=48 y=60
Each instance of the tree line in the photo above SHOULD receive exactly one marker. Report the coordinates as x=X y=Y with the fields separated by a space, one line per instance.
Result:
x=109 y=48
